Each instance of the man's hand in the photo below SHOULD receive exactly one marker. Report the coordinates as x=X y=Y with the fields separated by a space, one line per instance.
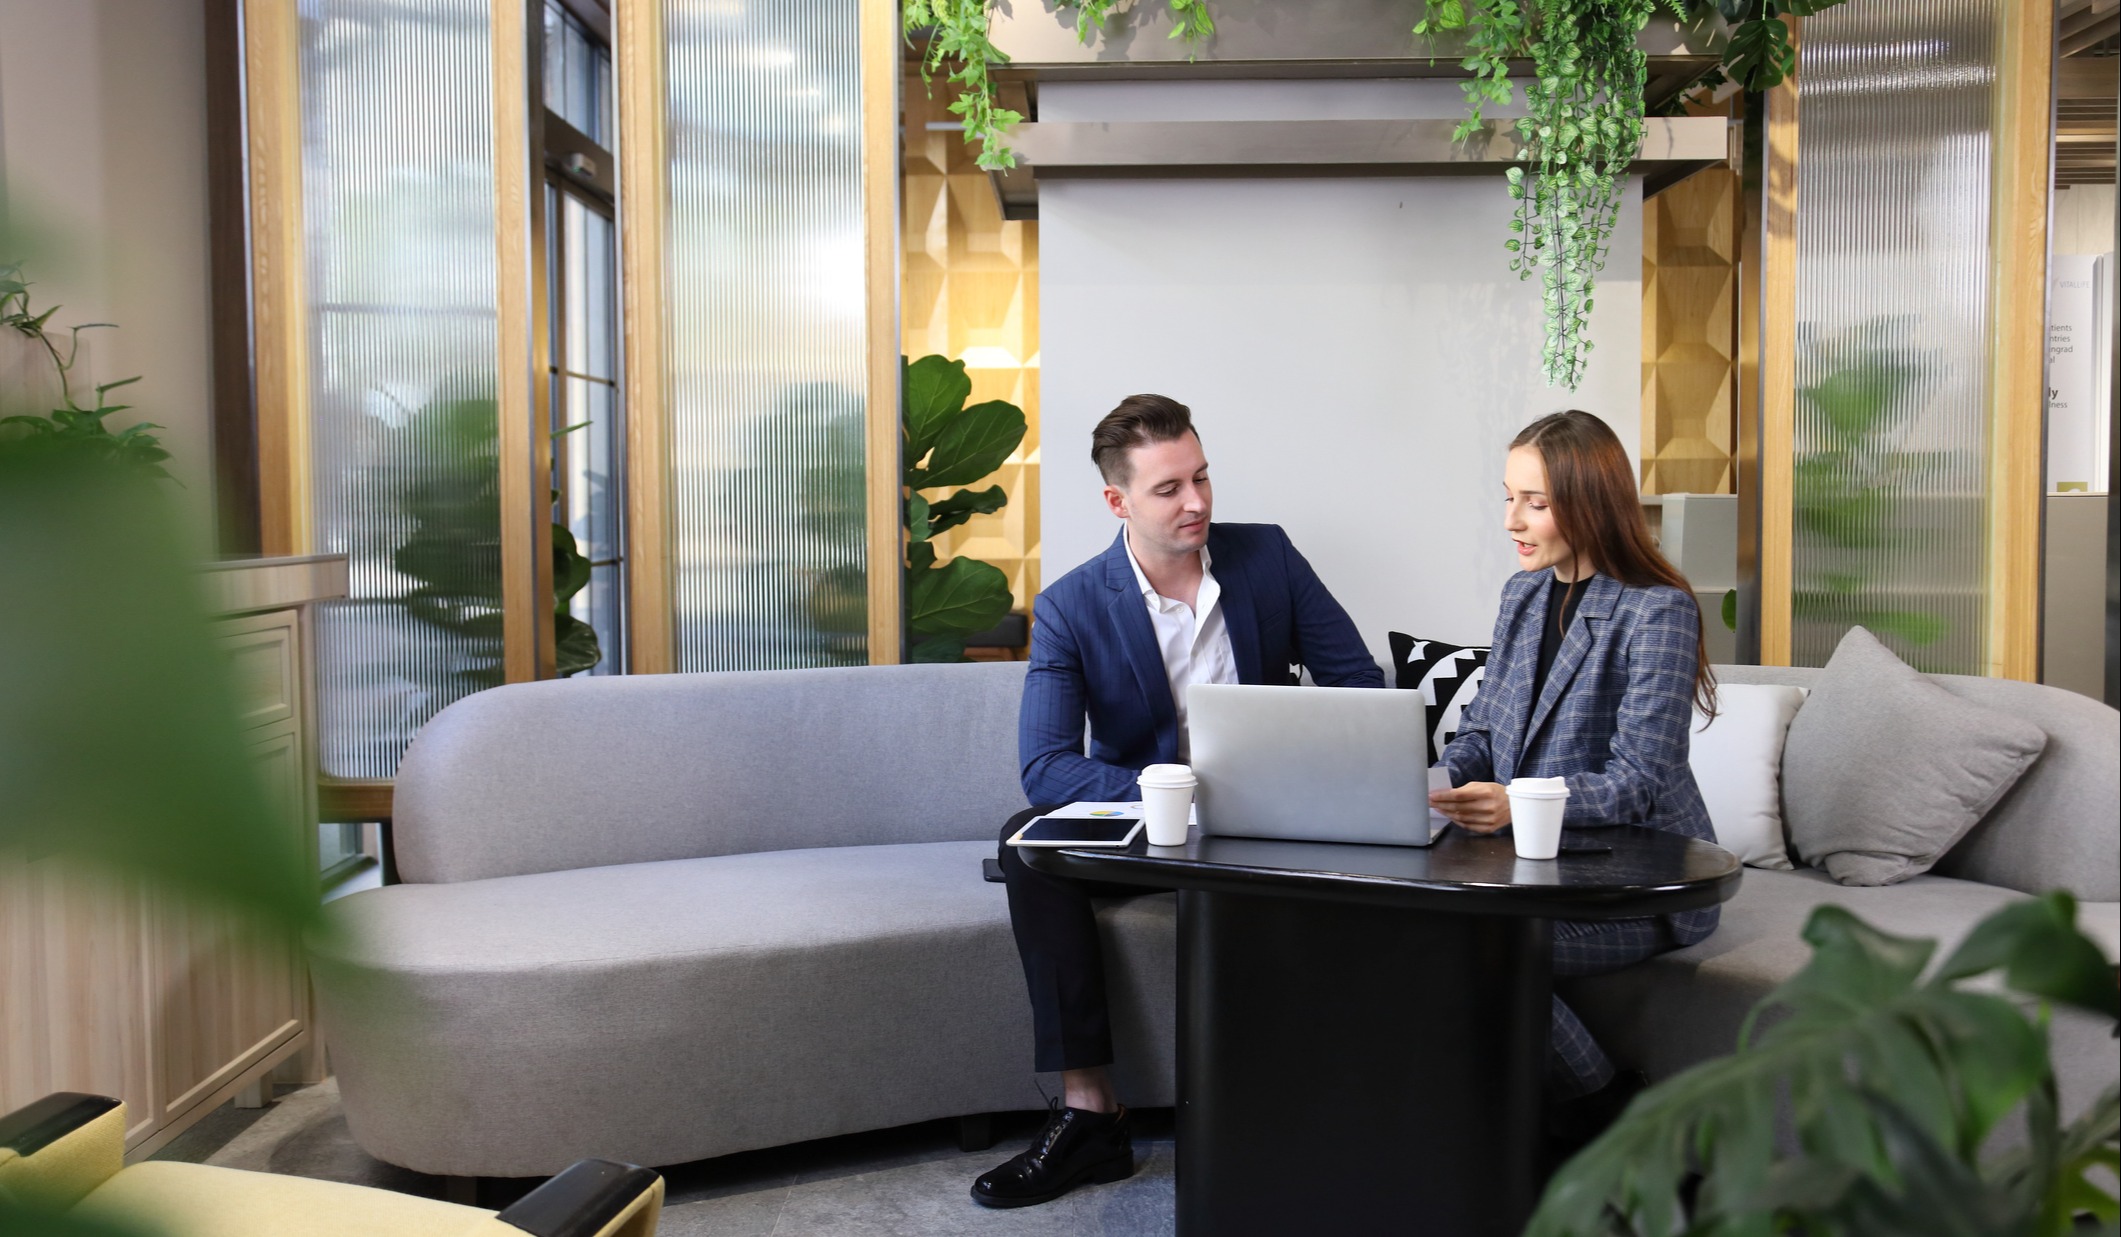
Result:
x=1479 y=807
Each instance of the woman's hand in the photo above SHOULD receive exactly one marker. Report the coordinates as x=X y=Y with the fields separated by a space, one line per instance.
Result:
x=1479 y=807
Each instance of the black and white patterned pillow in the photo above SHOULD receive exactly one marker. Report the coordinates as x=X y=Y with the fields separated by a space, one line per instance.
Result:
x=1447 y=676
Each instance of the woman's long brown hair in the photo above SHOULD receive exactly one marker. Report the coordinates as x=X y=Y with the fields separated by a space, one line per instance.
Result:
x=1598 y=511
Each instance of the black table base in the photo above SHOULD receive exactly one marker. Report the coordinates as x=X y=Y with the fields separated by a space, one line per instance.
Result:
x=1363 y=1029
x=1357 y=1069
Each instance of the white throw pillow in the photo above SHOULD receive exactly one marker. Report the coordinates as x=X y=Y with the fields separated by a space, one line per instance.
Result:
x=1737 y=763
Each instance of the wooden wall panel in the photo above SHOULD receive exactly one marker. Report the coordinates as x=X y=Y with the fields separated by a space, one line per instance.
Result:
x=2018 y=369
x=279 y=302
x=1778 y=367
x=76 y=988
x=971 y=294
x=1690 y=256
x=637 y=55
x=522 y=352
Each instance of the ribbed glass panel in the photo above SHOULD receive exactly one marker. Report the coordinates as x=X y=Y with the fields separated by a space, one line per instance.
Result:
x=763 y=322
x=397 y=164
x=1892 y=253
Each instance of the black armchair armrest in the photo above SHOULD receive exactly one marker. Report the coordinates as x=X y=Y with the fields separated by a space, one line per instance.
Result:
x=593 y=1198
x=37 y=1125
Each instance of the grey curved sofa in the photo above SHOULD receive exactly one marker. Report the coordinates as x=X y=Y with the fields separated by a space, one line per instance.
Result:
x=664 y=918
x=2057 y=829
x=677 y=916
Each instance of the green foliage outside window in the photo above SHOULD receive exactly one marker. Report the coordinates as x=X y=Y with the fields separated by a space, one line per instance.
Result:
x=452 y=499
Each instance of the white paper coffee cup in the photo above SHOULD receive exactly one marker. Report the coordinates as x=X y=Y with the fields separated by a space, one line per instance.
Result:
x=1167 y=802
x=1536 y=807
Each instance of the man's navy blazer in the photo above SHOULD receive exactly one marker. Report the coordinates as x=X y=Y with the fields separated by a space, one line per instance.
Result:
x=1094 y=654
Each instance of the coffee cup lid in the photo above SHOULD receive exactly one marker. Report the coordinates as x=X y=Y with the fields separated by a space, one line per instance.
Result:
x=1167 y=775
x=1540 y=787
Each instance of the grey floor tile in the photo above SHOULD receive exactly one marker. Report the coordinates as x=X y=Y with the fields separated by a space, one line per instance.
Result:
x=906 y=1182
x=932 y=1199
x=753 y=1214
x=212 y=1132
x=304 y=1134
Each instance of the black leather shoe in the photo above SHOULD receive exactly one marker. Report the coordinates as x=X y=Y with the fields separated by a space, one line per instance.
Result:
x=1077 y=1147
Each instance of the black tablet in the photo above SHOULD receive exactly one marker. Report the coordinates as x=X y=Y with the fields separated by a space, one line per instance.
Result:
x=1112 y=831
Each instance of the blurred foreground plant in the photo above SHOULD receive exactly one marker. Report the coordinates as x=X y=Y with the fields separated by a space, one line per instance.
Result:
x=120 y=745
x=1894 y=1083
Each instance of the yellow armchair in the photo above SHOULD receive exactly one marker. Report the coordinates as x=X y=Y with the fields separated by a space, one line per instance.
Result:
x=66 y=1153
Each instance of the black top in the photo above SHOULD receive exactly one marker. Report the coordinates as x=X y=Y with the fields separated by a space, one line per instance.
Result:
x=1648 y=872
x=1562 y=600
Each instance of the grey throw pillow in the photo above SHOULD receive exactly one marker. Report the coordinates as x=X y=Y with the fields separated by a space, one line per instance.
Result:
x=1884 y=770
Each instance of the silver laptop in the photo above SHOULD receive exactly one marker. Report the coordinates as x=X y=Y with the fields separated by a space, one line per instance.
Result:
x=1315 y=764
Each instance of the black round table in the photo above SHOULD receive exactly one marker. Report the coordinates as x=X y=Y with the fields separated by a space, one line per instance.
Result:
x=1363 y=1029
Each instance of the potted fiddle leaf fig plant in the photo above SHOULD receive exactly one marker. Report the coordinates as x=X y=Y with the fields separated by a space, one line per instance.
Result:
x=950 y=446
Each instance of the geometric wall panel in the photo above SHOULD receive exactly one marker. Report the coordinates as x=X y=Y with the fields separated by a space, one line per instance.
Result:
x=1690 y=335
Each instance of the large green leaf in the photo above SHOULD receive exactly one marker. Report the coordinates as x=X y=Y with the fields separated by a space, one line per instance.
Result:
x=2037 y=945
x=948 y=513
x=575 y=645
x=917 y=516
x=1759 y=55
x=1893 y=1082
x=570 y=568
x=936 y=388
x=971 y=446
x=960 y=597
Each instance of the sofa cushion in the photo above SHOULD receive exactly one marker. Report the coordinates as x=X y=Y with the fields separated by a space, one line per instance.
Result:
x=1885 y=770
x=1685 y=1007
x=1737 y=763
x=658 y=1013
x=2056 y=829
x=1447 y=676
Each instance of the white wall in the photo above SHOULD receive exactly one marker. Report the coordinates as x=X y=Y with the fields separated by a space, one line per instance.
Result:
x=103 y=163
x=1356 y=351
x=2084 y=219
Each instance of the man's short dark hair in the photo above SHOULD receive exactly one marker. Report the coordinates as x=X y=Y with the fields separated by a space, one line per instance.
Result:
x=1138 y=421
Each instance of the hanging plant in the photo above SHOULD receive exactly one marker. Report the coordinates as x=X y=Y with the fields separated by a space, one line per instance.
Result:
x=958 y=45
x=1583 y=125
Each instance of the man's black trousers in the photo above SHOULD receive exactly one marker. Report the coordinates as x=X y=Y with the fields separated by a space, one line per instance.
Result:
x=1064 y=964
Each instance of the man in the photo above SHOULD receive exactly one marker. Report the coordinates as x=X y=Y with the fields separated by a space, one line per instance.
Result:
x=1176 y=600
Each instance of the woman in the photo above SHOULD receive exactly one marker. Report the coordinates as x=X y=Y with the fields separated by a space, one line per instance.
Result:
x=1597 y=665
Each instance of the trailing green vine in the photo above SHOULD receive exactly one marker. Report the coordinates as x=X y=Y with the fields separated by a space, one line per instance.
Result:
x=959 y=47
x=1583 y=125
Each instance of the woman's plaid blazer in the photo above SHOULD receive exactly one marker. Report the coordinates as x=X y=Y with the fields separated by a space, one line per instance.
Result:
x=1614 y=716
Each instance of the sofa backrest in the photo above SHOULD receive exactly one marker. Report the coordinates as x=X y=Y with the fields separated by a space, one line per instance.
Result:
x=2057 y=827
x=540 y=777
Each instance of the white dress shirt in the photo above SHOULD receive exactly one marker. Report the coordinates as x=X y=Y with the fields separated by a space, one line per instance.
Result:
x=1193 y=640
